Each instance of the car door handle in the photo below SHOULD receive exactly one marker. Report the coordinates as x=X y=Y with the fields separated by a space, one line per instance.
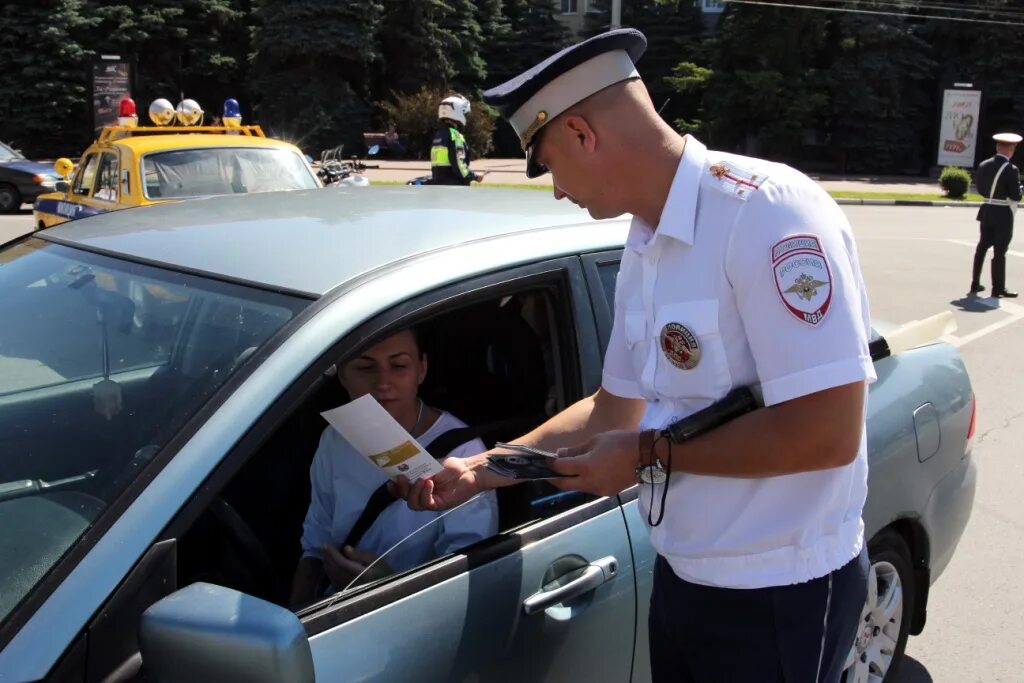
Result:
x=593 y=575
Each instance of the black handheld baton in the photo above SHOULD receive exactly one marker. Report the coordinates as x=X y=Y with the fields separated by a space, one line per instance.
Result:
x=742 y=400
x=739 y=401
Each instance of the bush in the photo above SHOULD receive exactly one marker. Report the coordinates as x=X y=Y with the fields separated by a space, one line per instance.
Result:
x=955 y=181
x=415 y=119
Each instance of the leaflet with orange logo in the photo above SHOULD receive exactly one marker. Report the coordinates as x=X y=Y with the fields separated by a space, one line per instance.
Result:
x=373 y=432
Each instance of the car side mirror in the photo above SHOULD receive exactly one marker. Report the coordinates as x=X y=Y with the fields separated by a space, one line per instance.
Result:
x=205 y=632
x=62 y=186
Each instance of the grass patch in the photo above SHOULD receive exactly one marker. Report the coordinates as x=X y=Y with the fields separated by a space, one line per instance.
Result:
x=971 y=197
x=521 y=186
x=909 y=196
x=510 y=186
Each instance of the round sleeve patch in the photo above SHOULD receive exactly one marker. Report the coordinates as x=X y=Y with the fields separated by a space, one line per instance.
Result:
x=803 y=277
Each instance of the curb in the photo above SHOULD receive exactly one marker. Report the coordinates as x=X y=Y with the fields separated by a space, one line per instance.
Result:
x=904 y=202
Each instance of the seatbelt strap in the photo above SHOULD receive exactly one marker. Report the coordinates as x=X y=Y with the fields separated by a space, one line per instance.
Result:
x=439 y=448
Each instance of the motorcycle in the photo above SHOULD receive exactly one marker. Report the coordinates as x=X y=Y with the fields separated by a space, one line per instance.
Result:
x=426 y=179
x=336 y=171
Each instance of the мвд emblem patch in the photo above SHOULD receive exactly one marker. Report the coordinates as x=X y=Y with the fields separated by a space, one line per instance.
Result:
x=803 y=277
x=680 y=346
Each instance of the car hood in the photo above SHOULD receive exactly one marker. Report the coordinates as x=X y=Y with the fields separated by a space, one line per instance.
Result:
x=27 y=166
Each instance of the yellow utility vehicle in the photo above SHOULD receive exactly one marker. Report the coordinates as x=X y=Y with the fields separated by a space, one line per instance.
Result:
x=176 y=158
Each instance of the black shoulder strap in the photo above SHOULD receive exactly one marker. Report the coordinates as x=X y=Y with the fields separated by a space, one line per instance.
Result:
x=440 y=447
x=446 y=442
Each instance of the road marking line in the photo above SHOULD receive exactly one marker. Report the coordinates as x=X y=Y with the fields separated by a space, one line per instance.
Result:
x=972 y=245
x=959 y=341
x=950 y=240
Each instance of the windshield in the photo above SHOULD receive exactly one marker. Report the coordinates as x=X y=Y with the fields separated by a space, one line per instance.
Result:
x=102 y=362
x=8 y=154
x=224 y=170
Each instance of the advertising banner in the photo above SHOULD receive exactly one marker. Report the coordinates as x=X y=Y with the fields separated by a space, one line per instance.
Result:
x=958 y=133
x=111 y=81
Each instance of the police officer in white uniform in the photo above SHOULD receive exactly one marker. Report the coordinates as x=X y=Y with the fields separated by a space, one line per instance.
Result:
x=998 y=181
x=737 y=272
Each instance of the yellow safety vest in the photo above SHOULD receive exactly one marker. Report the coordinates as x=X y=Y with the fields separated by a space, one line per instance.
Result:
x=439 y=153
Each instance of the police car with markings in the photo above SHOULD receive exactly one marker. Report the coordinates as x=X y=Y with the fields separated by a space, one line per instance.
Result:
x=178 y=157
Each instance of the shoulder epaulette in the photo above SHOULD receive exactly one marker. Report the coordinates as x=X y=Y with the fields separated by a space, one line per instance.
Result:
x=736 y=180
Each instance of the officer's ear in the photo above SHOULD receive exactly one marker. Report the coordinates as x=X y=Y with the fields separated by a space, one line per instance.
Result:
x=581 y=132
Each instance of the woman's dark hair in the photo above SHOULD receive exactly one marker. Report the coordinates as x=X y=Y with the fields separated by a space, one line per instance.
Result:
x=416 y=337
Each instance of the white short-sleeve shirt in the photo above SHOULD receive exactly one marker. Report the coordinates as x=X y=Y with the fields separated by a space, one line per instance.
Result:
x=750 y=278
x=342 y=481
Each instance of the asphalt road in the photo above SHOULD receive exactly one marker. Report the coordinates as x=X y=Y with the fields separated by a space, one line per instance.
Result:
x=14 y=224
x=916 y=262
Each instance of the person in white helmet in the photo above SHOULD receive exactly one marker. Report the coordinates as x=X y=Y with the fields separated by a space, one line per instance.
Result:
x=449 y=153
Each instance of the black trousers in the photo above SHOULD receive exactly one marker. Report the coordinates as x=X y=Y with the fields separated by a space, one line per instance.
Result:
x=800 y=633
x=998 y=238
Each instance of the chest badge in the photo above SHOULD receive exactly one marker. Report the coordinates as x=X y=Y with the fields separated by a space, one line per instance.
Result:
x=803 y=277
x=680 y=346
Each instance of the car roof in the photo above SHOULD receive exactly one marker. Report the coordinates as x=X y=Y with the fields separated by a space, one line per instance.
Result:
x=310 y=241
x=144 y=144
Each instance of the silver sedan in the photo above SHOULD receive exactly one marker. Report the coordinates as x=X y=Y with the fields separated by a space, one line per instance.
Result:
x=162 y=375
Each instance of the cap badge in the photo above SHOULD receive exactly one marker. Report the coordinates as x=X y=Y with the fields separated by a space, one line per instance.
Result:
x=803 y=277
x=680 y=346
x=531 y=130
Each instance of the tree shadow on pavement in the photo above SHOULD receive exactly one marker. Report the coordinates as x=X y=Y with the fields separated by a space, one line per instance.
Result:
x=971 y=303
x=912 y=671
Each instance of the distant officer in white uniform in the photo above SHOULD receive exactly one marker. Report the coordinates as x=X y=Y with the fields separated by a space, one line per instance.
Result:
x=737 y=272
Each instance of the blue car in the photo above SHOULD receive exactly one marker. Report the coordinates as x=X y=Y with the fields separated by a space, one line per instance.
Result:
x=22 y=180
x=162 y=376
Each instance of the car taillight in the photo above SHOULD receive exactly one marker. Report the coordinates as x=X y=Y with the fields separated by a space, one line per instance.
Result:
x=38 y=179
x=973 y=425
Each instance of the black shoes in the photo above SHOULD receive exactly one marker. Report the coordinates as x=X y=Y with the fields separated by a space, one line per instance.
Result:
x=1004 y=294
x=975 y=288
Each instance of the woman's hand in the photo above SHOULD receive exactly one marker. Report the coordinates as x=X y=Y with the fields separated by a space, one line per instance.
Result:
x=343 y=566
x=605 y=465
x=457 y=482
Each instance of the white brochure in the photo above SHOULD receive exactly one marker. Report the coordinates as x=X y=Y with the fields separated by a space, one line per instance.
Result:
x=373 y=432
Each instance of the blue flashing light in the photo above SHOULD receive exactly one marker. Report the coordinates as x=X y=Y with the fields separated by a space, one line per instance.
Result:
x=231 y=109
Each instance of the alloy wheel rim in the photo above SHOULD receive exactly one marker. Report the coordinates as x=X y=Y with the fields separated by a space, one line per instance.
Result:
x=878 y=631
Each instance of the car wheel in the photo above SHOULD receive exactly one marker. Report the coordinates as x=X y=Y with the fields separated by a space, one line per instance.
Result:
x=10 y=199
x=885 y=620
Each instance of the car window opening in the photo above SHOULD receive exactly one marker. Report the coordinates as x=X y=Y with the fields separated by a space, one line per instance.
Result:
x=496 y=365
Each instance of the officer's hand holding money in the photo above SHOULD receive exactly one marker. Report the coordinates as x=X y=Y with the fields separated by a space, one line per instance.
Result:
x=604 y=465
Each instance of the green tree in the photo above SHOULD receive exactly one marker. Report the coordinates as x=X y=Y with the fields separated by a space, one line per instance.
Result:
x=767 y=90
x=311 y=70
x=182 y=48
x=985 y=56
x=415 y=116
x=676 y=33
x=460 y=22
x=43 y=96
x=689 y=82
x=534 y=33
x=880 y=91
x=417 y=53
